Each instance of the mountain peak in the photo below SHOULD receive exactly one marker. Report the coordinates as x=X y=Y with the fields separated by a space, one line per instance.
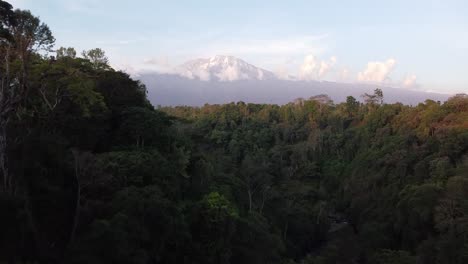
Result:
x=222 y=68
x=223 y=59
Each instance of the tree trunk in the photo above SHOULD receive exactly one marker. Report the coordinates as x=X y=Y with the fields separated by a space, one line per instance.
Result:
x=319 y=214
x=249 y=192
x=264 y=196
x=77 y=199
x=285 y=233
x=4 y=112
x=3 y=158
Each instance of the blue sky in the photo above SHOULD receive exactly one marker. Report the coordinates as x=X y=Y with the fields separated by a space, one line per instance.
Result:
x=410 y=44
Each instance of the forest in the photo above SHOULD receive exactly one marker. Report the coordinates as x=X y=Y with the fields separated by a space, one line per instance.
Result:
x=91 y=172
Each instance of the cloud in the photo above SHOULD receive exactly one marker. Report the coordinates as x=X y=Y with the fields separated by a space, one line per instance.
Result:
x=230 y=74
x=127 y=68
x=409 y=81
x=158 y=61
x=278 y=47
x=135 y=66
x=308 y=68
x=312 y=68
x=270 y=53
x=325 y=66
x=377 y=71
x=202 y=74
x=282 y=72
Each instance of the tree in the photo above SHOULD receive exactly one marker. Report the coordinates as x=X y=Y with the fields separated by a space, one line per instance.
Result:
x=352 y=105
x=255 y=179
x=416 y=213
x=322 y=99
x=121 y=92
x=374 y=99
x=451 y=220
x=97 y=57
x=379 y=95
x=387 y=256
x=144 y=127
x=7 y=19
x=66 y=53
x=214 y=227
x=26 y=36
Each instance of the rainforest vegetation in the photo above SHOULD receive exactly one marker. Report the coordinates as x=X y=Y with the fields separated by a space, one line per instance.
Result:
x=91 y=172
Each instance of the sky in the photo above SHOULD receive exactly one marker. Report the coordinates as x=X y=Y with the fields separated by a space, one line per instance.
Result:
x=412 y=44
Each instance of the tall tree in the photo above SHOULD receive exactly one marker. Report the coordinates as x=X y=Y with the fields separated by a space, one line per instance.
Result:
x=97 y=57
x=24 y=35
x=7 y=20
x=375 y=98
x=63 y=52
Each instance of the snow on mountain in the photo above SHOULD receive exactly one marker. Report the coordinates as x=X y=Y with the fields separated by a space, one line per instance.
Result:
x=222 y=79
x=222 y=68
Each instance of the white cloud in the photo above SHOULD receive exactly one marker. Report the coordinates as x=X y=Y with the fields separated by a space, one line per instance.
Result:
x=202 y=74
x=278 y=47
x=312 y=68
x=135 y=66
x=230 y=74
x=376 y=71
x=159 y=61
x=132 y=71
x=269 y=53
x=282 y=73
x=308 y=68
x=409 y=81
x=325 y=66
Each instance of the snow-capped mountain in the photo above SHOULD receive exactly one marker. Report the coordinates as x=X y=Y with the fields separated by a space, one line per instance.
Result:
x=223 y=79
x=222 y=68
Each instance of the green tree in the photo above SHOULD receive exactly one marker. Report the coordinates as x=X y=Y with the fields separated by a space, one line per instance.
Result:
x=374 y=99
x=63 y=52
x=97 y=57
x=352 y=106
x=24 y=34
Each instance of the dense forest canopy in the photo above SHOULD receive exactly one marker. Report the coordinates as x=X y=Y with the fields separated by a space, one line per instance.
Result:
x=91 y=172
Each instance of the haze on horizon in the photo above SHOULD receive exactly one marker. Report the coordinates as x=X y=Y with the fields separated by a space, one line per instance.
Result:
x=417 y=45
